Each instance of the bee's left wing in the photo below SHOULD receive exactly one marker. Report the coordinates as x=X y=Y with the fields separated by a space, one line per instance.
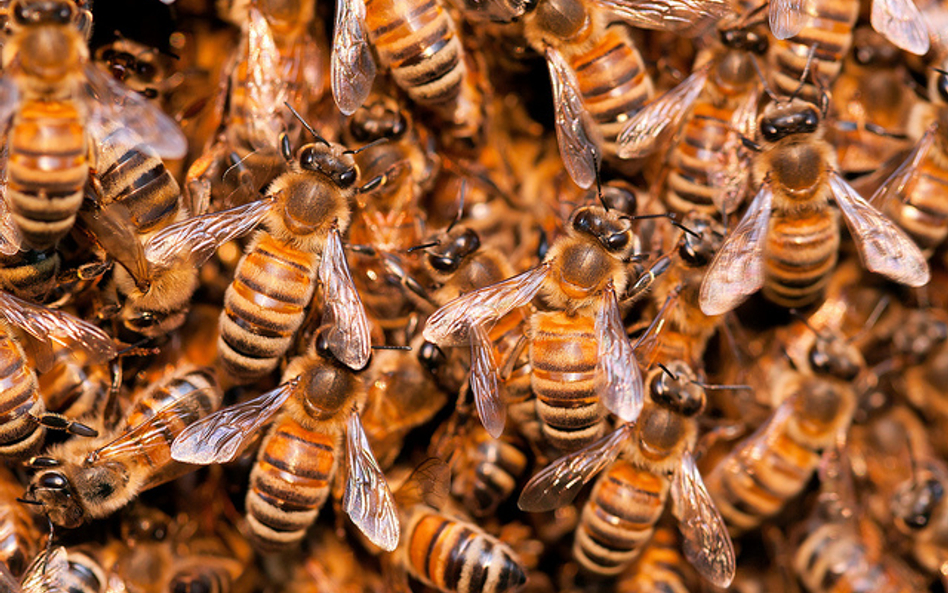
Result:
x=623 y=392
x=731 y=176
x=684 y=17
x=368 y=500
x=353 y=67
x=901 y=23
x=883 y=246
x=706 y=542
x=575 y=133
x=112 y=102
x=343 y=312
x=485 y=383
x=787 y=17
x=10 y=238
x=46 y=574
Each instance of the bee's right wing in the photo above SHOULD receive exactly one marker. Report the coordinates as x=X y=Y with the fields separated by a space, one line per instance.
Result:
x=684 y=17
x=623 y=392
x=353 y=67
x=738 y=267
x=349 y=336
x=731 y=176
x=787 y=17
x=450 y=325
x=265 y=91
x=222 y=436
x=644 y=131
x=9 y=99
x=46 y=574
x=116 y=233
x=49 y=325
x=558 y=484
x=368 y=500
x=485 y=383
x=575 y=133
x=892 y=188
x=902 y=24
x=194 y=240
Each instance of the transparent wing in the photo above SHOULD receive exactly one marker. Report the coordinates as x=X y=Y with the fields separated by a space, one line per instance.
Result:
x=343 y=312
x=49 y=325
x=738 y=268
x=368 y=500
x=10 y=238
x=705 y=539
x=265 y=90
x=622 y=392
x=429 y=484
x=684 y=17
x=787 y=17
x=9 y=99
x=112 y=102
x=574 y=131
x=885 y=249
x=223 y=435
x=558 y=484
x=731 y=177
x=353 y=67
x=194 y=240
x=902 y=23
x=893 y=187
x=449 y=325
x=485 y=384
x=46 y=574
x=643 y=132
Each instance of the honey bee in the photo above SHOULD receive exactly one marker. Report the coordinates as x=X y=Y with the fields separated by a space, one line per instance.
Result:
x=76 y=385
x=290 y=482
x=29 y=274
x=919 y=509
x=137 y=66
x=579 y=278
x=25 y=417
x=789 y=237
x=274 y=282
x=630 y=495
x=907 y=197
x=89 y=479
x=58 y=103
x=19 y=537
x=660 y=567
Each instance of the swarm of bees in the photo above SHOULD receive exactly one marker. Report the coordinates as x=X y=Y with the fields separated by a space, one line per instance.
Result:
x=301 y=296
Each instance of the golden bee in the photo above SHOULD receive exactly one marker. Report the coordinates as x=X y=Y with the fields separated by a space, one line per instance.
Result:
x=788 y=240
x=660 y=567
x=87 y=479
x=19 y=537
x=641 y=464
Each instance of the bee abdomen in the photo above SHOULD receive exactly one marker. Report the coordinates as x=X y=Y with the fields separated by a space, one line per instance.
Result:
x=263 y=308
x=175 y=390
x=563 y=356
x=500 y=466
x=289 y=484
x=689 y=185
x=454 y=556
x=46 y=171
x=618 y=518
x=29 y=274
x=800 y=255
x=20 y=403
x=660 y=569
x=922 y=211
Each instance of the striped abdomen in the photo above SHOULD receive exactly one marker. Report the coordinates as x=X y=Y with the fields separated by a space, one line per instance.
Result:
x=20 y=402
x=831 y=30
x=619 y=518
x=497 y=467
x=453 y=556
x=47 y=170
x=613 y=82
x=176 y=389
x=264 y=306
x=800 y=255
x=660 y=568
x=19 y=537
x=563 y=354
x=289 y=483
x=29 y=274
x=920 y=208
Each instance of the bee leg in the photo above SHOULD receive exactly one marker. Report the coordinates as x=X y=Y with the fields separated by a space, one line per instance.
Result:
x=60 y=422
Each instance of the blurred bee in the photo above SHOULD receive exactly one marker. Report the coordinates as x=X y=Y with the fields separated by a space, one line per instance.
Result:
x=76 y=385
x=660 y=567
x=908 y=197
x=24 y=411
x=139 y=67
x=275 y=280
x=57 y=103
x=581 y=359
x=921 y=513
x=322 y=399
x=89 y=479
x=19 y=537
x=788 y=240
x=29 y=273
x=708 y=112
x=47 y=572
x=629 y=497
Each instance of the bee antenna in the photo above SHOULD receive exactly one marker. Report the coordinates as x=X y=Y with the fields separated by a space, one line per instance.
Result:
x=366 y=147
x=718 y=387
x=806 y=71
x=602 y=200
x=306 y=125
x=763 y=80
x=672 y=218
x=667 y=371
x=422 y=246
x=462 y=191
x=387 y=347
x=873 y=318
x=35 y=503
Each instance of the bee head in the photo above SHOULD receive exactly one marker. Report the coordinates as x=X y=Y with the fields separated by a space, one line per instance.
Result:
x=919 y=335
x=835 y=357
x=378 y=120
x=447 y=256
x=915 y=502
x=785 y=119
x=674 y=387
x=611 y=231
x=52 y=489
x=331 y=161
x=744 y=39
x=698 y=249
x=42 y=12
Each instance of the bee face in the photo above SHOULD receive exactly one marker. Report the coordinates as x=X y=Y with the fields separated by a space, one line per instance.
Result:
x=378 y=120
x=53 y=489
x=744 y=40
x=785 y=119
x=612 y=232
x=698 y=251
x=677 y=391
x=447 y=258
x=42 y=12
x=329 y=161
x=836 y=358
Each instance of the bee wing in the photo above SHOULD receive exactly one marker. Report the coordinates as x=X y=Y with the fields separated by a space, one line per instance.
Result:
x=49 y=325
x=902 y=23
x=738 y=268
x=449 y=325
x=10 y=238
x=9 y=99
x=194 y=240
x=46 y=574
x=368 y=500
x=787 y=17
x=642 y=133
x=732 y=177
x=623 y=392
x=223 y=435
x=116 y=233
x=893 y=187
x=265 y=90
x=574 y=130
x=353 y=67
x=705 y=540
x=348 y=336
x=112 y=102
x=484 y=383
x=685 y=17
x=883 y=246
x=429 y=484
x=558 y=484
